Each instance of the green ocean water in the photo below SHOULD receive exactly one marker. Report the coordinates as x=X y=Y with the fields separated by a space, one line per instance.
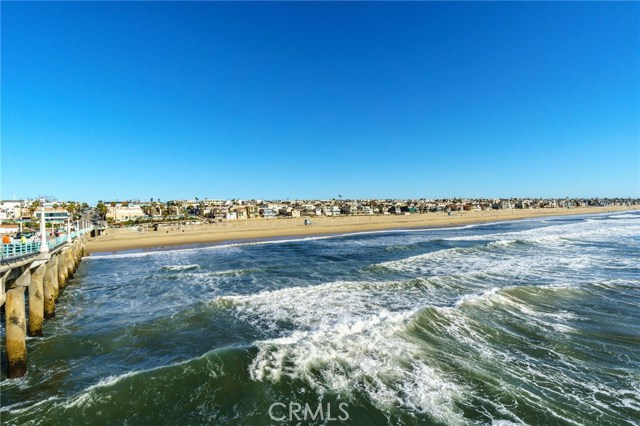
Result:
x=533 y=322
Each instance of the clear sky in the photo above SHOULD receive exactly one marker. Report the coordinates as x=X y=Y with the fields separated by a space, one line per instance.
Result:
x=311 y=100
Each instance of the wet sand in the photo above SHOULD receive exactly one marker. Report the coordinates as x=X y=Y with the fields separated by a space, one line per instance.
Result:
x=120 y=239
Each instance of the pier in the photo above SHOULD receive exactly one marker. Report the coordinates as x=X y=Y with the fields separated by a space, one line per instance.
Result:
x=41 y=268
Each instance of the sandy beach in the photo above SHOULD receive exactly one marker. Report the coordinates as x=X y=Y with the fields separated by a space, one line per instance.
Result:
x=120 y=239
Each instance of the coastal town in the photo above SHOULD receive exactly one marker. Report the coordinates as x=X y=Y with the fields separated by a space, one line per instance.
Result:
x=15 y=215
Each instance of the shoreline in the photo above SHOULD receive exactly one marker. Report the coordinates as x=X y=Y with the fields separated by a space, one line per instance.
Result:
x=118 y=240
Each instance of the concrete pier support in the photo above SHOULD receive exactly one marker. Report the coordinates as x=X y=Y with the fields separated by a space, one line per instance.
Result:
x=16 y=326
x=36 y=300
x=62 y=270
x=56 y=276
x=77 y=253
x=69 y=263
x=50 y=288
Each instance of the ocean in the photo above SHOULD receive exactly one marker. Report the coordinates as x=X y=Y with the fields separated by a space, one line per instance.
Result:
x=532 y=322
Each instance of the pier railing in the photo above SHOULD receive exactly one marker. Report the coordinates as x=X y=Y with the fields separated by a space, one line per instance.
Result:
x=16 y=251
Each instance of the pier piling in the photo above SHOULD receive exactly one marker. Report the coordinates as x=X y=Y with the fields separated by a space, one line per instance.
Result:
x=36 y=300
x=50 y=288
x=62 y=271
x=15 y=330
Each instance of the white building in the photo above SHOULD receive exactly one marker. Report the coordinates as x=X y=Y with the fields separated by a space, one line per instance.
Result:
x=52 y=215
x=332 y=211
x=10 y=209
x=120 y=213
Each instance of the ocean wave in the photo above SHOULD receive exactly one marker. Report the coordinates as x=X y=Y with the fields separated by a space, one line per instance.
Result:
x=555 y=232
x=624 y=216
x=474 y=297
x=344 y=338
x=366 y=355
x=545 y=260
x=194 y=272
x=180 y=267
x=138 y=396
x=438 y=254
x=401 y=247
x=486 y=334
x=104 y=256
x=522 y=299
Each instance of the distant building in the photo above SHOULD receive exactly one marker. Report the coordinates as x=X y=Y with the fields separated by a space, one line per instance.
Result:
x=122 y=213
x=269 y=213
x=52 y=215
x=9 y=228
x=10 y=209
x=332 y=211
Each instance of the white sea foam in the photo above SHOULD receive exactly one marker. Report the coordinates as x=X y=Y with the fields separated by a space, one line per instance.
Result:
x=555 y=253
x=624 y=216
x=23 y=406
x=340 y=345
x=485 y=260
x=565 y=233
x=470 y=298
x=89 y=396
x=345 y=339
x=181 y=267
x=500 y=297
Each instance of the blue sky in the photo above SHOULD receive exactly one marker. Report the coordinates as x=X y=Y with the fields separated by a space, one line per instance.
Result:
x=311 y=100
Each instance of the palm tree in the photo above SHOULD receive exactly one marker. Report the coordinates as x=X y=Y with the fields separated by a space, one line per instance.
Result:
x=113 y=205
x=32 y=209
x=101 y=209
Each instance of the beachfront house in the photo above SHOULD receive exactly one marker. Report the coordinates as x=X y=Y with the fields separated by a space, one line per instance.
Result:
x=122 y=212
x=268 y=213
x=252 y=211
x=240 y=212
x=367 y=210
x=220 y=211
x=290 y=212
x=331 y=211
